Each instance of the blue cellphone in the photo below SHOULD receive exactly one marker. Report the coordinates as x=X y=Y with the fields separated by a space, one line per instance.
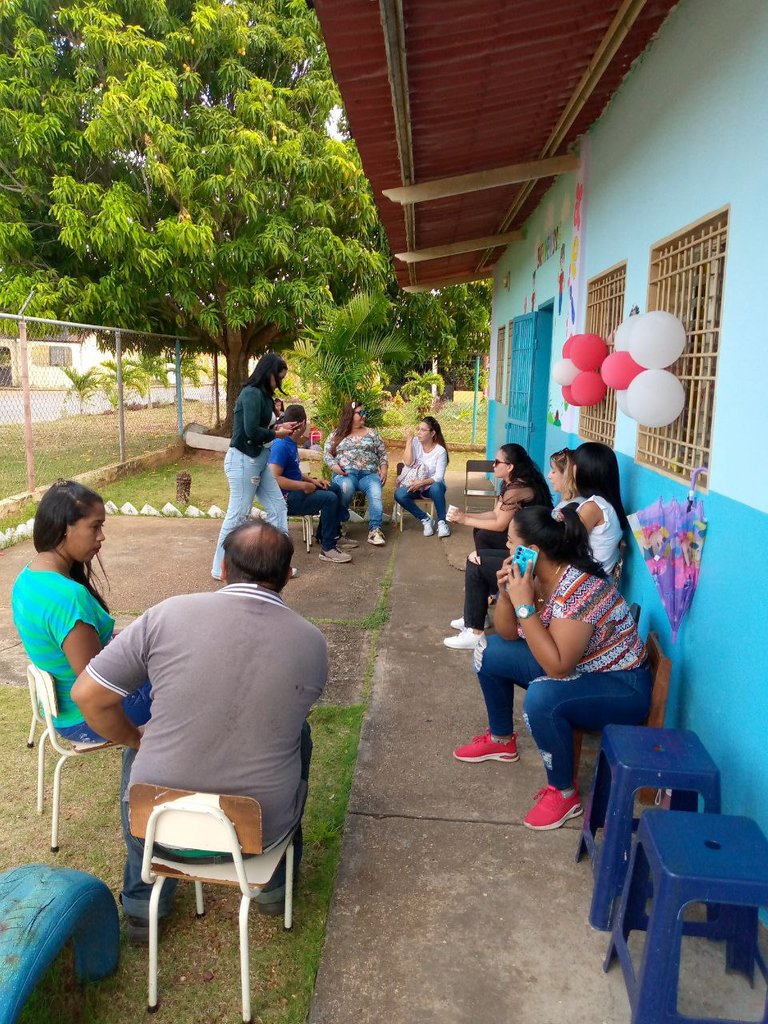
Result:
x=523 y=556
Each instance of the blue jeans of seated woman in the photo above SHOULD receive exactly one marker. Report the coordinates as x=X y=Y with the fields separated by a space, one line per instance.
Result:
x=249 y=478
x=137 y=706
x=435 y=492
x=553 y=708
x=370 y=485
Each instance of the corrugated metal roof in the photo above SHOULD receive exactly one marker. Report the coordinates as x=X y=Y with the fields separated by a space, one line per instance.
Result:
x=487 y=81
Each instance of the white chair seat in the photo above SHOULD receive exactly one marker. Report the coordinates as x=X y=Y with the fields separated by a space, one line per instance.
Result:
x=258 y=870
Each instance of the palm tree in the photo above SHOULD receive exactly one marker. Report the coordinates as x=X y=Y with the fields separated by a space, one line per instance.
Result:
x=146 y=370
x=418 y=388
x=83 y=385
x=345 y=357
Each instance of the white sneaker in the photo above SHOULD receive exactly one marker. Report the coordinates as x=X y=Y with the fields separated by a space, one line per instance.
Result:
x=428 y=526
x=459 y=623
x=465 y=641
x=376 y=537
x=443 y=529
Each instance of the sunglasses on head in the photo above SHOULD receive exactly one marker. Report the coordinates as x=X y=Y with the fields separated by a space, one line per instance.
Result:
x=358 y=409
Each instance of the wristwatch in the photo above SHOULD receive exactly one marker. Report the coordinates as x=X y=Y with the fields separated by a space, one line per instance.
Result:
x=525 y=611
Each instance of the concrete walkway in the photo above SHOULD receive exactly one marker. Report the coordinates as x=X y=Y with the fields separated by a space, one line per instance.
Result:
x=447 y=909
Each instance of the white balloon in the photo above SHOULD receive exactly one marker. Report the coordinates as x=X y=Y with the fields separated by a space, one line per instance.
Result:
x=565 y=371
x=657 y=339
x=655 y=398
x=621 y=401
x=623 y=334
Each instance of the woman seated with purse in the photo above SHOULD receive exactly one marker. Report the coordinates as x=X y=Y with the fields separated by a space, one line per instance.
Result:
x=566 y=636
x=425 y=461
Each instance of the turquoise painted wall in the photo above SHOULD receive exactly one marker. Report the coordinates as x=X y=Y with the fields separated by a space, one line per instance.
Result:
x=686 y=135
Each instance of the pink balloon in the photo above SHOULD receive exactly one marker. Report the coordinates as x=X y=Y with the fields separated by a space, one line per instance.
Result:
x=567 y=347
x=588 y=388
x=587 y=351
x=568 y=396
x=619 y=370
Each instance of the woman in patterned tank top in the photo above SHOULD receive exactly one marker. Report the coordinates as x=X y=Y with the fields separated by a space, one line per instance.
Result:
x=566 y=636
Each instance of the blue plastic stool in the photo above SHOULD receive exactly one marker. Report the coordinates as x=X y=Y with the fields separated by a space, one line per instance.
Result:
x=716 y=859
x=632 y=757
x=41 y=909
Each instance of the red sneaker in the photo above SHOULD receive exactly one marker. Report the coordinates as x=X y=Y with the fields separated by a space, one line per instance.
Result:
x=552 y=809
x=483 y=748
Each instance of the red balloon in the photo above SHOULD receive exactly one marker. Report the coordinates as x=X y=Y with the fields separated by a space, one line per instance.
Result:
x=567 y=347
x=587 y=351
x=568 y=396
x=619 y=370
x=588 y=388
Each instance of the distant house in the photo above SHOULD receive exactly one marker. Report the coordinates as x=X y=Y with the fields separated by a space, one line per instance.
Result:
x=47 y=359
x=658 y=121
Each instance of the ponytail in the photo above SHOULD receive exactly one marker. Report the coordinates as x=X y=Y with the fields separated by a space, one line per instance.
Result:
x=561 y=535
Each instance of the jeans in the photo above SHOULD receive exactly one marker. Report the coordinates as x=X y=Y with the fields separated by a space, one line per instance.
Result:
x=330 y=506
x=553 y=708
x=479 y=584
x=135 y=895
x=435 y=492
x=249 y=478
x=492 y=540
x=370 y=485
x=137 y=707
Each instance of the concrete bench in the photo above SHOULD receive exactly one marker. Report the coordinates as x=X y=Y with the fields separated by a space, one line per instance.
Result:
x=41 y=909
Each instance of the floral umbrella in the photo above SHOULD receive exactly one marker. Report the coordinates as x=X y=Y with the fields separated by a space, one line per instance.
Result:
x=671 y=537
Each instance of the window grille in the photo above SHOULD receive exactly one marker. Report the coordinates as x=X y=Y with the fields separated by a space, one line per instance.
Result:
x=508 y=361
x=605 y=311
x=500 y=363
x=686 y=278
x=60 y=355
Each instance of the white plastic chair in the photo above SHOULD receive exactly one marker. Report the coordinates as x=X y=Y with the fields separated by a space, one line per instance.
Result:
x=398 y=511
x=36 y=716
x=45 y=694
x=217 y=824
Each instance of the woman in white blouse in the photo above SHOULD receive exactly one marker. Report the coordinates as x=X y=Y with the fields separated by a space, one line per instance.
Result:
x=425 y=459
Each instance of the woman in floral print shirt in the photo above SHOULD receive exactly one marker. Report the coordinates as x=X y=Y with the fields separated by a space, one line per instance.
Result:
x=356 y=456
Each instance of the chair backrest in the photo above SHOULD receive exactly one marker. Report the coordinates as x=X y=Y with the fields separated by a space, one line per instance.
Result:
x=661 y=672
x=400 y=467
x=305 y=466
x=479 y=466
x=619 y=567
x=183 y=822
x=45 y=691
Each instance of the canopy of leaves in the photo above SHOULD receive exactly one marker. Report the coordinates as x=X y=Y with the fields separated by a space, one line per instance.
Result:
x=165 y=165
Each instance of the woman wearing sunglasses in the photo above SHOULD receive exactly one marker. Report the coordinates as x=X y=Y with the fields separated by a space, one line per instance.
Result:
x=522 y=483
x=357 y=457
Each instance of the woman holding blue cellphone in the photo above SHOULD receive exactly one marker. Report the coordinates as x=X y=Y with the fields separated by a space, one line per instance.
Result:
x=566 y=636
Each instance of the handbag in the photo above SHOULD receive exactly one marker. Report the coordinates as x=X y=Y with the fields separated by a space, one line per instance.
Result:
x=411 y=474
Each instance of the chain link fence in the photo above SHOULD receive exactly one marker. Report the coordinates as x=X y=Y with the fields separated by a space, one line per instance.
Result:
x=75 y=397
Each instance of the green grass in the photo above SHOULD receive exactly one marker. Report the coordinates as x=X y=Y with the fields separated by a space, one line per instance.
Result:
x=75 y=444
x=283 y=965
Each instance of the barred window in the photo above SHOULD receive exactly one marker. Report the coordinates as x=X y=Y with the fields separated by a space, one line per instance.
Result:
x=686 y=278
x=501 y=360
x=60 y=355
x=605 y=311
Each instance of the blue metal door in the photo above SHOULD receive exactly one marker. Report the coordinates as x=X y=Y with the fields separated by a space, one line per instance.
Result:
x=519 y=421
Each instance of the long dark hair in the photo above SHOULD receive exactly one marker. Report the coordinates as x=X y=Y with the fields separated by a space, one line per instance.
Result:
x=61 y=506
x=266 y=370
x=562 y=537
x=597 y=472
x=434 y=426
x=525 y=474
x=344 y=427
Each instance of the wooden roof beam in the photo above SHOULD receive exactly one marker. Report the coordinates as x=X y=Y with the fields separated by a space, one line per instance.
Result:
x=445 y=282
x=460 y=184
x=438 y=252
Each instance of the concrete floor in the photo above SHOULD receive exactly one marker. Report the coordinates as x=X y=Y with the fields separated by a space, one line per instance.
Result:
x=446 y=909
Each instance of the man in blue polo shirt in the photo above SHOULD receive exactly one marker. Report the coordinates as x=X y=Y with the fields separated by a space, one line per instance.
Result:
x=306 y=495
